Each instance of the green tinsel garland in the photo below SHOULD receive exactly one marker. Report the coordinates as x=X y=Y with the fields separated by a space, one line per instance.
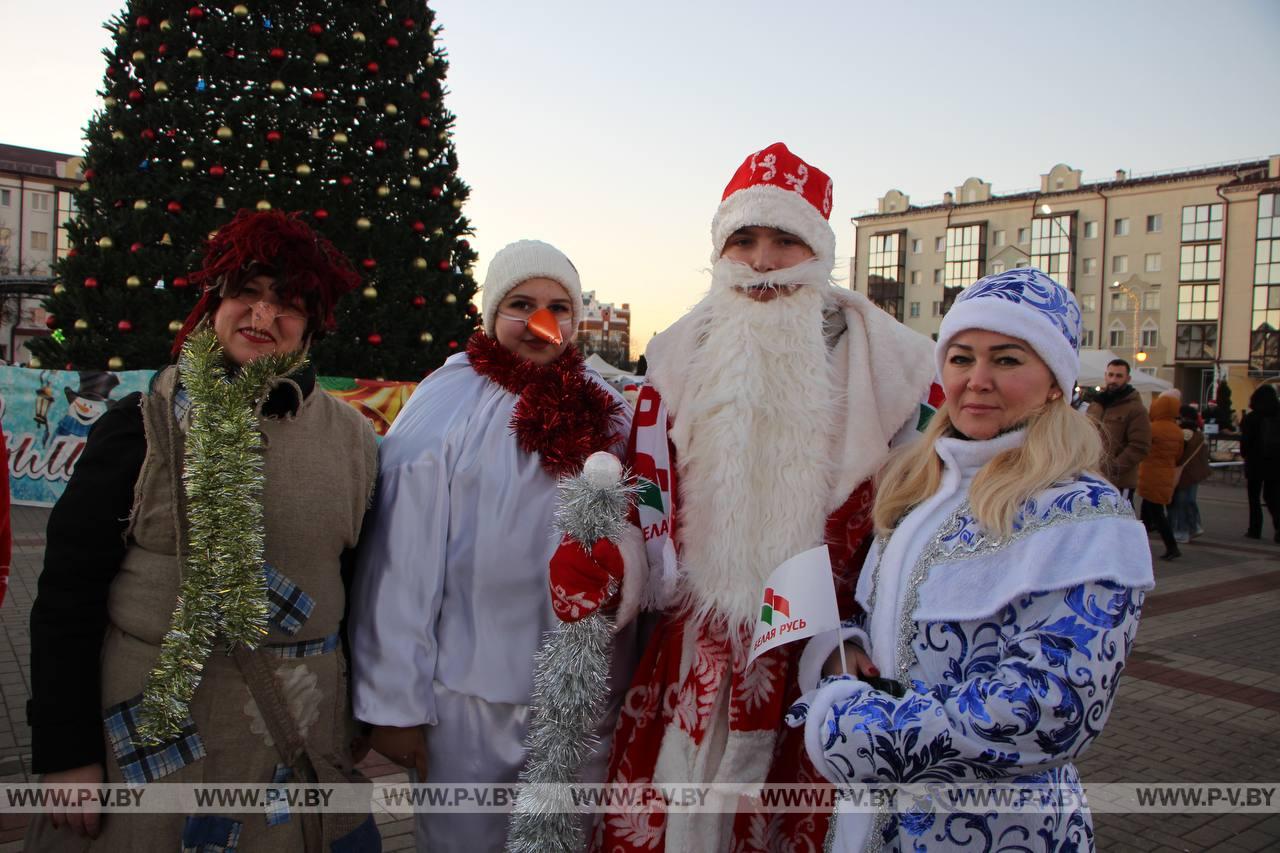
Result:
x=223 y=597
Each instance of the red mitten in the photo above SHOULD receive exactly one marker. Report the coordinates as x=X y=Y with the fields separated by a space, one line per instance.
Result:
x=580 y=581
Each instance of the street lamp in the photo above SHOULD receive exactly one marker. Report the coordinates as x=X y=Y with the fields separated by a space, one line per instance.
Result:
x=1139 y=355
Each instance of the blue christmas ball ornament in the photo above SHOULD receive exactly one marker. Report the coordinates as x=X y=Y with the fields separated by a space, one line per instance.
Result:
x=144 y=166
x=201 y=85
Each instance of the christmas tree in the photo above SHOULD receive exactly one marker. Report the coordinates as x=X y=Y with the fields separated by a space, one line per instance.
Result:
x=331 y=108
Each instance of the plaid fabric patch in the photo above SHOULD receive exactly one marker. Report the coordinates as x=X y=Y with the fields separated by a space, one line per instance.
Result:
x=142 y=764
x=290 y=606
x=278 y=808
x=305 y=648
x=210 y=833
x=181 y=404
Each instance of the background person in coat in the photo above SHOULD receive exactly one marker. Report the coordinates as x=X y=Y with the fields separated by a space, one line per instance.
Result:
x=1184 y=512
x=1126 y=428
x=1260 y=447
x=1158 y=475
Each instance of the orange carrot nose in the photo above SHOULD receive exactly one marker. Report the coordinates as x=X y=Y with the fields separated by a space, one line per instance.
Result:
x=545 y=325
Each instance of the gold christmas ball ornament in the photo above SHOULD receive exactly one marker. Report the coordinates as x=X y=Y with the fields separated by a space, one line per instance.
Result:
x=322 y=59
x=166 y=25
x=383 y=191
x=439 y=232
x=263 y=205
x=391 y=109
x=108 y=102
x=84 y=188
x=59 y=289
x=188 y=164
x=138 y=56
x=166 y=240
x=363 y=224
x=450 y=299
x=415 y=183
x=81 y=325
x=35 y=363
x=457 y=204
x=105 y=243
x=358 y=37
x=224 y=133
x=303 y=169
x=240 y=10
x=133 y=282
x=431 y=61
x=115 y=363
x=443 y=136
x=426 y=337
x=361 y=102
x=423 y=154
x=117 y=135
x=195 y=53
x=264 y=166
x=340 y=138
x=122 y=30
x=140 y=204
x=160 y=87
x=419 y=263
x=219 y=204
x=175 y=326
x=370 y=292
x=277 y=87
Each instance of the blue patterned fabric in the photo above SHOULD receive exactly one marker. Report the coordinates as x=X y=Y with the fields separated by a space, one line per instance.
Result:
x=290 y=607
x=141 y=764
x=1012 y=698
x=181 y=403
x=278 y=809
x=210 y=833
x=1030 y=287
x=305 y=648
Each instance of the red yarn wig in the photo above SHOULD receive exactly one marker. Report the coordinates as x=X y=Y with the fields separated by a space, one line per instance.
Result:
x=279 y=245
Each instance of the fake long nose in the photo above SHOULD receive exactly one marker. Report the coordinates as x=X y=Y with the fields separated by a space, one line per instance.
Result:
x=544 y=325
x=264 y=314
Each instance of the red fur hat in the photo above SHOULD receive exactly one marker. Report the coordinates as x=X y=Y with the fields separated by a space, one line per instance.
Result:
x=276 y=244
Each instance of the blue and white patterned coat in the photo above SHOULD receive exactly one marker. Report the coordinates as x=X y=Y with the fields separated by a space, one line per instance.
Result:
x=1010 y=649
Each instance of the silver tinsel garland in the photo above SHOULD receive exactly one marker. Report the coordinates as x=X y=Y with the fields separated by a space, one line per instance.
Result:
x=571 y=676
x=223 y=596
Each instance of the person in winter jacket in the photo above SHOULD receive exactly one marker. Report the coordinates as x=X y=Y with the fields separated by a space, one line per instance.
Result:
x=1158 y=475
x=1184 y=512
x=1126 y=428
x=1260 y=447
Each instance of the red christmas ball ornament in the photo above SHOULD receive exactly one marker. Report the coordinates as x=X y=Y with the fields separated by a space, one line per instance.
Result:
x=471 y=309
x=136 y=247
x=173 y=207
x=409 y=23
x=371 y=67
x=453 y=344
x=315 y=31
x=444 y=265
x=436 y=192
x=424 y=122
x=320 y=214
x=274 y=136
x=143 y=22
x=148 y=135
x=380 y=145
x=217 y=171
x=392 y=42
x=180 y=282
x=135 y=96
x=170 y=133
x=369 y=263
x=345 y=180
x=319 y=96
x=464 y=245
x=111 y=71
x=195 y=13
x=90 y=282
x=51 y=321
x=424 y=95
x=419 y=227
x=230 y=53
x=163 y=49
x=419 y=301
x=119 y=203
x=124 y=326
x=276 y=53
x=72 y=252
x=374 y=339
x=90 y=174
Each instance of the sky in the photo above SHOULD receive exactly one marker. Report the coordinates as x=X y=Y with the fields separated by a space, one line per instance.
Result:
x=610 y=129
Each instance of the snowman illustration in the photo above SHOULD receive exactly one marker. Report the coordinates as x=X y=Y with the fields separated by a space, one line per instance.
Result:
x=86 y=405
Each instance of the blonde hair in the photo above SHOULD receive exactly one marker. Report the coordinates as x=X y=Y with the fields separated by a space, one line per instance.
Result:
x=1060 y=444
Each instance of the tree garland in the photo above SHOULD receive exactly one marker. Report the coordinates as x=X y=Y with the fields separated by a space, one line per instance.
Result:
x=223 y=595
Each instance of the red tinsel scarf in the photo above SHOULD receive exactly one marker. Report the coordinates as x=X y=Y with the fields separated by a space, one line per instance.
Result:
x=562 y=414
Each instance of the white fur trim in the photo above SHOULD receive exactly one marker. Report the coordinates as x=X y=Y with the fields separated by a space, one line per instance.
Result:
x=773 y=207
x=820 y=647
x=635 y=575
x=1017 y=321
x=520 y=261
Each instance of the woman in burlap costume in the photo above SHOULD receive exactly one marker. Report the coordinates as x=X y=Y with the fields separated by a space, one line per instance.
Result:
x=134 y=535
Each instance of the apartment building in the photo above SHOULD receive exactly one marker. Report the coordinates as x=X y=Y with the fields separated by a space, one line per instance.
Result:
x=35 y=205
x=606 y=329
x=1177 y=271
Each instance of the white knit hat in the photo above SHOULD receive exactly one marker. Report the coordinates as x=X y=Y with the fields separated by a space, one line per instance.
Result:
x=776 y=189
x=521 y=261
x=1021 y=303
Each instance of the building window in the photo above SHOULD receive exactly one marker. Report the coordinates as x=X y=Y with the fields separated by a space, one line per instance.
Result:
x=4 y=198
x=940 y=244
x=997 y=267
x=937 y=276
x=1091 y=230
x=885 y=271
x=1090 y=266
x=937 y=310
x=1264 y=350
x=1201 y=222
x=1115 y=338
x=1155 y=223
x=917 y=246
x=1119 y=263
x=39 y=241
x=1086 y=339
x=915 y=276
x=1151 y=263
x=997 y=238
x=1024 y=234
x=1196 y=342
x=1198 y=301
x=966 y=260
x=41 y=202
x=1119 y=300
x=1150 y=335
x=1202 y=262
x=1122 y=227
x=915 y=309
x=1088 y=301
x=1151 y=300
x=1051 y=246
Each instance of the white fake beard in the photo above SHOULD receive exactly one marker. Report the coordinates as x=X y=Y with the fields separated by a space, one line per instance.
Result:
x=756 y=475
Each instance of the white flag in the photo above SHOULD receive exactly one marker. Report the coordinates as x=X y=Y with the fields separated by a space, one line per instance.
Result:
x=799 y=601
